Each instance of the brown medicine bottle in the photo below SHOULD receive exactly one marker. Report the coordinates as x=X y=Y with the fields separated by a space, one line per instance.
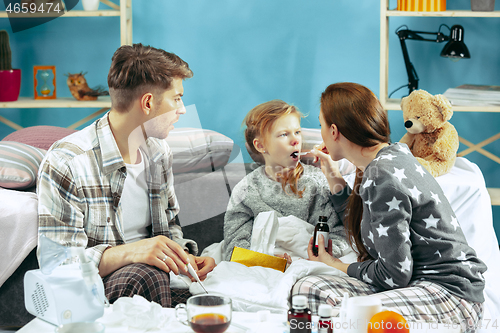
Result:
x=321 y=229
x=299 y=316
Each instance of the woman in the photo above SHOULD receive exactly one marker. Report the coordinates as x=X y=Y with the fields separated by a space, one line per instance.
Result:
x=412 y=253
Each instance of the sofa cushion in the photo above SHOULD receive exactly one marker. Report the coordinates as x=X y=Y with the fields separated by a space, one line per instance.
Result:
x=19 y=165
x=194 y=149
x=198 y=150
x=39 y=136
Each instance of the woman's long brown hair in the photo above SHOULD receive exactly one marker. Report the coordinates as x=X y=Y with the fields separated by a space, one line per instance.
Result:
x=360 y=118
x=259 y=122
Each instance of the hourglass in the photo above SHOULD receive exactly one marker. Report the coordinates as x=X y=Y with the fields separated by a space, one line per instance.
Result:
x=44 y=82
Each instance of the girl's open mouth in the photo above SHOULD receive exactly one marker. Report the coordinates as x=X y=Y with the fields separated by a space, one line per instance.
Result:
x=296 y=154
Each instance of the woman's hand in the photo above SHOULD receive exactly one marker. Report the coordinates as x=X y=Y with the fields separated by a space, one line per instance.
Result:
x=329 y=167
x=324 y=256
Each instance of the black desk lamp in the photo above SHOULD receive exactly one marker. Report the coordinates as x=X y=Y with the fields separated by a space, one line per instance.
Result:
x=455 y=48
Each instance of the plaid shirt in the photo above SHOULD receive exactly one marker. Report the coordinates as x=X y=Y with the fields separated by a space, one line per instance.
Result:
x=80 y=184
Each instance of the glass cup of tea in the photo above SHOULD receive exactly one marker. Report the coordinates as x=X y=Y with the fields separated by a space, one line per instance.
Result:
x=206 y=313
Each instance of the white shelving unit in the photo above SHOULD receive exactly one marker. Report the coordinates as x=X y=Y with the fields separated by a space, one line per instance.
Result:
x=394 y=104
x=124 y=11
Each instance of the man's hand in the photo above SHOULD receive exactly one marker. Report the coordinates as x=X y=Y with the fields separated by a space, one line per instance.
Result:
x=162 y=252
x=159 y=251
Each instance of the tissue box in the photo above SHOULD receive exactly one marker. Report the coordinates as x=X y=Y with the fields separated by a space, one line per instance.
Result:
x=251 y=258
x=422 y=5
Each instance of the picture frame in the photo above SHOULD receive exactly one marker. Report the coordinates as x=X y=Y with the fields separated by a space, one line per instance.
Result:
x=44 y=81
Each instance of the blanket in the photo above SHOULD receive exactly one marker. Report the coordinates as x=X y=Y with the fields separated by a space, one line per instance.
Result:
x=19 y=229
x=259 y=288
x=466 y=191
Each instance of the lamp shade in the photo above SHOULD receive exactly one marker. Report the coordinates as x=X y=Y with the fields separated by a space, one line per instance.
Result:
x=456 y=48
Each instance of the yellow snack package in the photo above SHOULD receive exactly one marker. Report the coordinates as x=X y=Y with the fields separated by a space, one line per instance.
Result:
x=251 y=258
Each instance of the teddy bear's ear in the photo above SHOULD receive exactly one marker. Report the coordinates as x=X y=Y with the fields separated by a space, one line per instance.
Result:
x=444 y=106
x=403 y=100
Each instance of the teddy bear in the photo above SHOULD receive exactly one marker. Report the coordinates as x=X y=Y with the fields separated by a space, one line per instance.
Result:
x=430 y=137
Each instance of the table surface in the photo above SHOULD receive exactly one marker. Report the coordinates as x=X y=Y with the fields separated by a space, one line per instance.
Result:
x=272 y=323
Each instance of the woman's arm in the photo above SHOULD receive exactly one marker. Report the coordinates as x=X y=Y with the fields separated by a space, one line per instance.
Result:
x=388 y=234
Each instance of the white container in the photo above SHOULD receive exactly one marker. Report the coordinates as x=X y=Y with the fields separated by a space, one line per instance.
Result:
x=61 y=297
x=90 y=4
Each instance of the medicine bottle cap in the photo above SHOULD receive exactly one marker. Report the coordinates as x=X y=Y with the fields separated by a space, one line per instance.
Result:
x=323 y=219
x=299 y=302
x=325 y=310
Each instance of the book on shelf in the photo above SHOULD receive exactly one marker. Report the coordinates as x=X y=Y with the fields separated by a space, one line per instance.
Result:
x=474 y=94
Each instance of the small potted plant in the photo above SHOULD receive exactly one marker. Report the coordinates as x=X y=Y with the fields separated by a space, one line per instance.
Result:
x=10 y=79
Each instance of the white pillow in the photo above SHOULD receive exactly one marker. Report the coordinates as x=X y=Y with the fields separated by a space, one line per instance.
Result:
x=198 y=150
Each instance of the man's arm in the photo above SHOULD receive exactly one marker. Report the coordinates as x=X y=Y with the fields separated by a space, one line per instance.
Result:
x=61 y=208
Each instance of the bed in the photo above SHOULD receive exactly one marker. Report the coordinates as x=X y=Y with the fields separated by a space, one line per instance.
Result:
x=207 y=165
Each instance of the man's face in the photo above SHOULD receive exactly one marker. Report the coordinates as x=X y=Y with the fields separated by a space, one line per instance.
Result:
x=166 y=111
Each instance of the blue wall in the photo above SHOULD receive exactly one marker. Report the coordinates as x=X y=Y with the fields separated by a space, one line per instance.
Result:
x=247 y=52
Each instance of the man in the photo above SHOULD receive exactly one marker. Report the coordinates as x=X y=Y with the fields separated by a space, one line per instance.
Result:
x=109 y=187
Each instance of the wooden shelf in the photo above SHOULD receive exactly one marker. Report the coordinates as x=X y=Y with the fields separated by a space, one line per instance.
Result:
x=494 y=195
x=395 y=104
x=71 y=13
x=123 y=10
x=446 y=13
x=64 y=102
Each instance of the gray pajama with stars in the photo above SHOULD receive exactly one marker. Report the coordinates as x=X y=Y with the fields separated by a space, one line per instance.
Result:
x=421 y=256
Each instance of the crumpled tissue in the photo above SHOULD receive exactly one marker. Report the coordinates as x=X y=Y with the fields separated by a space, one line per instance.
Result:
x=261 y=252
x=264 y=232
x=293 y=237
x=136 y=313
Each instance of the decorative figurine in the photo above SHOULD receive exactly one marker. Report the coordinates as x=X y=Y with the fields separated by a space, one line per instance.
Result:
x=80 y=89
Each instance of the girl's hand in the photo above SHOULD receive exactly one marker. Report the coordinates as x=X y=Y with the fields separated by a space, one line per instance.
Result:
x=329 y=167
x=285 y=256
x=204 y=265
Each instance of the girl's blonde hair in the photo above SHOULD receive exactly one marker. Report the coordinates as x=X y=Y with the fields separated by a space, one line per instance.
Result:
x=259 y=122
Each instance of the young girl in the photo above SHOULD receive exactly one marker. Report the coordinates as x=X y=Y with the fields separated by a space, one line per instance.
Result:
x=412 y=252
x=282 y=184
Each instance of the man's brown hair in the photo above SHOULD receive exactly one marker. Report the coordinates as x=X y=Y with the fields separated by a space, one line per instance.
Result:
x=138 y=69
